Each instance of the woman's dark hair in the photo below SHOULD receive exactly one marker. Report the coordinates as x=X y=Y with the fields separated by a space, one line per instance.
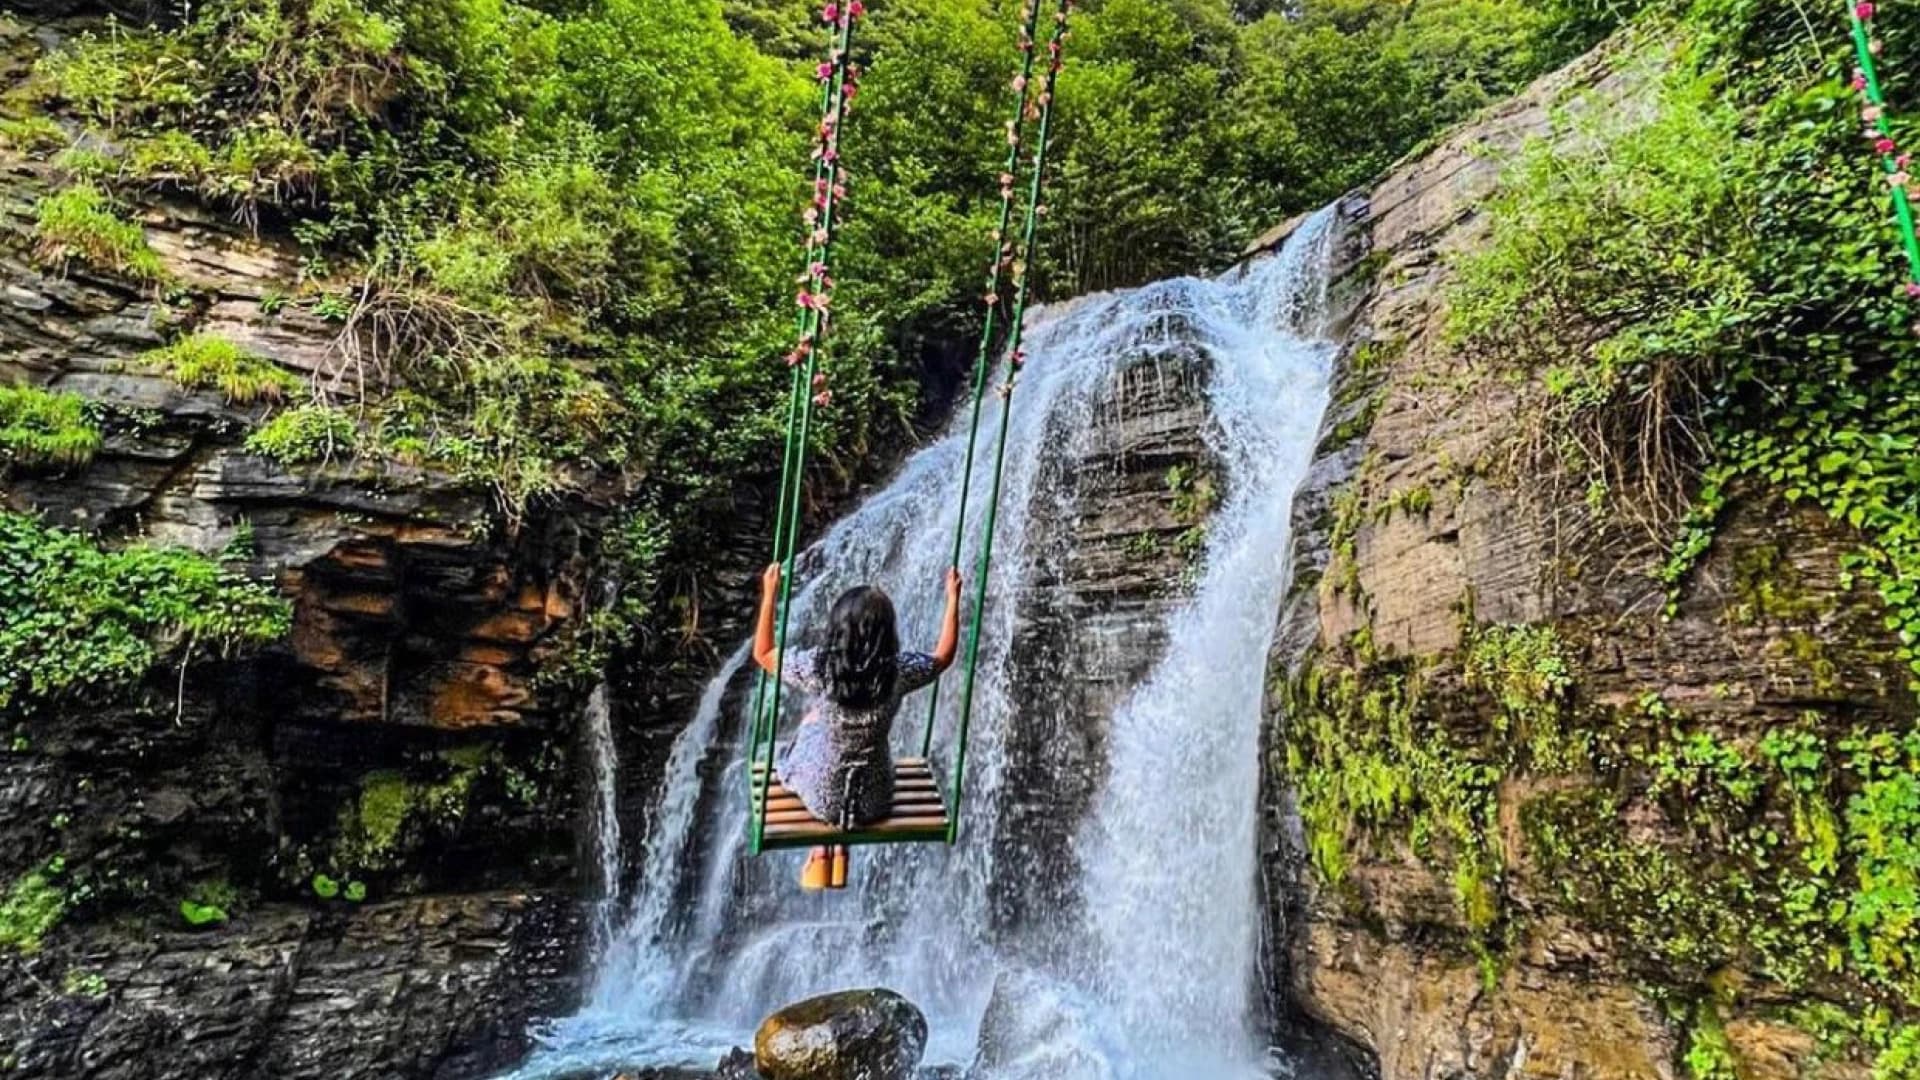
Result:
x=861 y=656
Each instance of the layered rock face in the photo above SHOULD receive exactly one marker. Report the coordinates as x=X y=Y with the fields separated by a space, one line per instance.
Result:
x=380 y=807
x=1551 y=911
x=1121 y=531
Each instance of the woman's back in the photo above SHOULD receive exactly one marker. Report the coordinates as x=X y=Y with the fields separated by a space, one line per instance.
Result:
x=840 y=764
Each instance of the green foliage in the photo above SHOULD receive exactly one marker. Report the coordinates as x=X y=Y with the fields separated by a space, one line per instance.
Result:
x=305 y=434
x=208 y=903
x=32 y=134
x=80 y=223
x=78 y=982
x=1529 y=674
x=81 y=617
x=576 y=223
x=395 y=810
x=1726 y=251
x=1374 y=769
x=41 y=427
x=32 y=906
x=324 y=887
x=1709 y=1054
x=201 y=361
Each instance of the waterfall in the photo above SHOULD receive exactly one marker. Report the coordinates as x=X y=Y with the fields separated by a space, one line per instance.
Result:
x=597 y=719
x=1147 y=973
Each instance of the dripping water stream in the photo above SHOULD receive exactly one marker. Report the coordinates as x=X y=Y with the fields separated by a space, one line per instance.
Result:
x=1150 y=975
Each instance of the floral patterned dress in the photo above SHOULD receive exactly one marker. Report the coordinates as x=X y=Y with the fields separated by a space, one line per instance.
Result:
x=839 y=763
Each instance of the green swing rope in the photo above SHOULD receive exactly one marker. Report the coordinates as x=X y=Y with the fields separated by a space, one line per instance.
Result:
x=805 y=363
x=1867 y=81
x=1021 y=266
x=983 y=360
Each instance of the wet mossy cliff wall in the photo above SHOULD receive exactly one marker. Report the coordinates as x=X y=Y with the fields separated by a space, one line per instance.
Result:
x=348 y=853
x=1525 y=818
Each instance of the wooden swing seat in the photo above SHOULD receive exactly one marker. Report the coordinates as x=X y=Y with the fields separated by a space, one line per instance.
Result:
x=919 y=816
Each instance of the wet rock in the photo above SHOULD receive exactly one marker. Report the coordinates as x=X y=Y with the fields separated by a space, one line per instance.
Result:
x=394 y=741
x=1384 y=959
x=850 y=1035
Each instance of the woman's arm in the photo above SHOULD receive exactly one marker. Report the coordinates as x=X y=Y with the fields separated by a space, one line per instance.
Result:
x=765 y=652
x=943 y=653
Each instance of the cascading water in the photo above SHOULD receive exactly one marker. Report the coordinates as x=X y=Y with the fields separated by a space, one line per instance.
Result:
x=597 y=719
x=1150 y=975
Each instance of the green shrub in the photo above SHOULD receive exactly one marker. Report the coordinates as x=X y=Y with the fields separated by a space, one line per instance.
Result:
x=40 y=427
x=32 y=906
x=305 y=434
x=78 y=617
x=203 y=361
x=80 y=223
x=32 y=134
x=209 y=903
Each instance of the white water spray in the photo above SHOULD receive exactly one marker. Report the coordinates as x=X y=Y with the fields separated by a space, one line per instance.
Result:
x=1152 y=977
x=597 y=718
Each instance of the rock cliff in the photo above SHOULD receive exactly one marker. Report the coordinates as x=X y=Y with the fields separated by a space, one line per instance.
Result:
x=349 y=855
x=1482 y=717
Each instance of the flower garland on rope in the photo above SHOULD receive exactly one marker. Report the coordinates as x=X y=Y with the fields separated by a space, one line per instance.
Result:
x=1894 y=159
x=1009 y=257
x=839 y=78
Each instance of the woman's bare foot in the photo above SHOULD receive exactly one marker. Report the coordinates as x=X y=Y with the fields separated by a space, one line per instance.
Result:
x=840 y=859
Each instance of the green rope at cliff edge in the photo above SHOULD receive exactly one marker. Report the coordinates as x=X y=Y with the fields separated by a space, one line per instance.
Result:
x=1861 y=14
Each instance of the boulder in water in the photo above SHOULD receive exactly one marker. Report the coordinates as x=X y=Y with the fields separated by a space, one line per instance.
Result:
x=851 y=1035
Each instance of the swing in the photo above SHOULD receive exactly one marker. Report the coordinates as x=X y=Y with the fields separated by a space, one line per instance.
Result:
x=919 y=814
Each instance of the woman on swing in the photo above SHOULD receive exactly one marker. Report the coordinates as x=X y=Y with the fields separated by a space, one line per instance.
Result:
x=839 y=764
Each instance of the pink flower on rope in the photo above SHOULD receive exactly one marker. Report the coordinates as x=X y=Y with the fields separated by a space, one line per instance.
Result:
x=1903 y=161
x=1864 y=10
x=991 y=299
x=1913 y=290
x=806 y=300
x=1885 y=145
x=1019 y=357
x=1859 y=80
x=817 y=269
x=830 y=155
x=818 y=237
x=1872 y=114
x=856 y=10
x=794 y=358
x=1874 y=46
x=1899 y=179
x=830 y=13
x=1019 y=84
x=811 y=215
x=823 y=399
x=824 y=71
x=819 y=380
